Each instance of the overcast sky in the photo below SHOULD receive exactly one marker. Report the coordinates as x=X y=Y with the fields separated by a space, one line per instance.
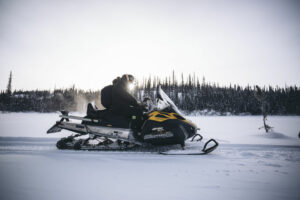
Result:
x=58 y=43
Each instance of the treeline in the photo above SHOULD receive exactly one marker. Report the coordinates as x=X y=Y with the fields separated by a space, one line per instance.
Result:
x=70 y=99
x=192 y=96
x=188 y=94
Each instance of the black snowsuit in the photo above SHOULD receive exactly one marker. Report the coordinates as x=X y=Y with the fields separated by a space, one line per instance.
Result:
x=106 y=94
x=123 y=103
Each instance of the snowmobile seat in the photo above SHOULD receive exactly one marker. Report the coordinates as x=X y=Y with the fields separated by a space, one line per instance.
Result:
x=94 y=113
x=108 y=118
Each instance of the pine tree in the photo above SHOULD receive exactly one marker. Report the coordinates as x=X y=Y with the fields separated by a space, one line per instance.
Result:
x=260 y=96
x=9 y=85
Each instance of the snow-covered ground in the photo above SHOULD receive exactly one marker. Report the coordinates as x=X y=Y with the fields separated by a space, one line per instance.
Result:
x=248 y=164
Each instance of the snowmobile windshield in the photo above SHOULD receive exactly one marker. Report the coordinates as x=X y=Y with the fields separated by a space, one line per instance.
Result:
x=163 y=101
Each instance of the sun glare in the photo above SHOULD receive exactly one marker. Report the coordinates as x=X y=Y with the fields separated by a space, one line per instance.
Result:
x=131 y=86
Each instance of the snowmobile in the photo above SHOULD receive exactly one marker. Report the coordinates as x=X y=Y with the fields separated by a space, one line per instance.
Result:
x=164 y=130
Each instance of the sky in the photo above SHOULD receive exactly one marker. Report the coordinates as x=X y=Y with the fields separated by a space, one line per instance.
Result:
x=51 y=44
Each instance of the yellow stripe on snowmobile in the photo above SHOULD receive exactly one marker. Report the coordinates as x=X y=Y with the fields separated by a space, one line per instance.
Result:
x=159 y=116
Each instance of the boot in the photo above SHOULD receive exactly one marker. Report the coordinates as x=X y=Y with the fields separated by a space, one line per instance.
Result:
x=91 y=112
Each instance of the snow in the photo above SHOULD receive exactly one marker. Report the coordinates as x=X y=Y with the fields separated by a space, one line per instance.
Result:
x=245 y=129
x=249 y=164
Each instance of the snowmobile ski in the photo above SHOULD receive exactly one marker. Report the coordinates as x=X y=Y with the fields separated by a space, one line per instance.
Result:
x=204 y=151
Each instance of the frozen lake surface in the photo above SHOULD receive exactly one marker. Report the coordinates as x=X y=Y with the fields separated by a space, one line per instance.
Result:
x=248 y=164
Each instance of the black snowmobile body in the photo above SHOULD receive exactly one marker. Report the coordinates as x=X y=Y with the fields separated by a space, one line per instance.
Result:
x=161 y=128
x=164 y=126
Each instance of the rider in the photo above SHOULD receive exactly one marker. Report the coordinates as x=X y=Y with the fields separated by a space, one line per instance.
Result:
x=106 y=100
x=123 y=103
x=116 y=98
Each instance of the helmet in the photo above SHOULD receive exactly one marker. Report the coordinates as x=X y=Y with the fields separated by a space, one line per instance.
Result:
x=128 y=81
x=128 y=78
